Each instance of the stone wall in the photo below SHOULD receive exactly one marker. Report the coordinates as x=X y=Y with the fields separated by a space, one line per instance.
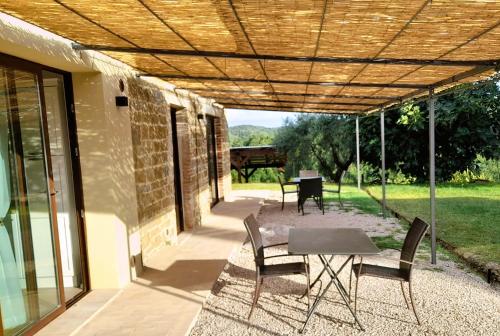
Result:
x=151 y=130
x=223 y=156
x=152 y=146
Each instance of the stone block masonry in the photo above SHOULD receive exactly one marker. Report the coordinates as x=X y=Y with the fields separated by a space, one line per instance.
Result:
x=153 y=165
x=151 y=129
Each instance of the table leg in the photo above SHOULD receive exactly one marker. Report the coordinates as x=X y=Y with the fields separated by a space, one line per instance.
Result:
x=313 y=307
x=332 y=273
x=341 y=290
x=338 y=284
x=317 y=278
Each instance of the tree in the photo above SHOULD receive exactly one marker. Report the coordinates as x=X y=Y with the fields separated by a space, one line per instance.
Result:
x=321 y=142
x=467 y=124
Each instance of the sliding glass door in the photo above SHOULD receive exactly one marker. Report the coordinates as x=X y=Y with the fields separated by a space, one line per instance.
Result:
x=72 y=265
x=42 y=254
x=29 y=277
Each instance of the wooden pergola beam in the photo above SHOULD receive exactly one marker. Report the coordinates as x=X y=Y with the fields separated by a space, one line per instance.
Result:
x=267 y=57
x=317 y=95
x=411 y=86
x=289 y=108
x=225 y=101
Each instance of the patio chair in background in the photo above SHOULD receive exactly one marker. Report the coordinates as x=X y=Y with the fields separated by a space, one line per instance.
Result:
x=308 y=173
x=283 y=191
x=311 y=188
x=265 y=271
x=338 y=188
x=403 y=272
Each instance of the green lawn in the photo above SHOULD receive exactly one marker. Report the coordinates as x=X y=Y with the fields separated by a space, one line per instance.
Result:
x=468 y=216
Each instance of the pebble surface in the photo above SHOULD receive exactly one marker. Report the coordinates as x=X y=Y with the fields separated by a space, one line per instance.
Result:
x=450 y=299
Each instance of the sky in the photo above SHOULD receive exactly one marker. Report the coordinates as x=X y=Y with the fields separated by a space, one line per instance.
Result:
x=257 y=118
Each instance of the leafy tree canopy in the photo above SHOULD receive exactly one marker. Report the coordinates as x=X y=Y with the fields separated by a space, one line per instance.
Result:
x=321 y=142
x=467 y=125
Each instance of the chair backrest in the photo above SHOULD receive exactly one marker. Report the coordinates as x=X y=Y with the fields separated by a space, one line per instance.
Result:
x=340 y=180
x=410 y=245
x=309 y=187
x=308 y=173
x=255 y=238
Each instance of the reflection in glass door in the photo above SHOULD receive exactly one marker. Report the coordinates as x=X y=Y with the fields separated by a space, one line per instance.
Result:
x=67 y=214
x=29 y=282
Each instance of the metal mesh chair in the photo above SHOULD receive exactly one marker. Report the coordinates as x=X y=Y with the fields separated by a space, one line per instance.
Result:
x=311 y=188
x=264 y=271
x=338 y=188
x=283 y=191
x=308 y=173
x=403 y=272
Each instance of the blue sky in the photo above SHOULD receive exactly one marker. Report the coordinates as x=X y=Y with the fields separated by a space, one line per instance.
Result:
x=257 y=118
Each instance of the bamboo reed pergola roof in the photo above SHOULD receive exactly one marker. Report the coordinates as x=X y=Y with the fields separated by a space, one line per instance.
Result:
x=333 y=56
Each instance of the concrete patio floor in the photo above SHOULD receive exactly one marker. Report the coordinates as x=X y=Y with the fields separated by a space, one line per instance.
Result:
x=168 y=296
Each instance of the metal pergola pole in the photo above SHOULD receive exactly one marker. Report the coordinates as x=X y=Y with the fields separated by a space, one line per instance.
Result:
x=432 y=173
x=382 y=142
x=357 y=153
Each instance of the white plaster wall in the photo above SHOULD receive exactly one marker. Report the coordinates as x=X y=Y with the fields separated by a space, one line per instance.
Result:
x=104 y=136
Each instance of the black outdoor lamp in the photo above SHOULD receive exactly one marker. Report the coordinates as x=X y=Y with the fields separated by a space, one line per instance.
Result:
x=122 y=100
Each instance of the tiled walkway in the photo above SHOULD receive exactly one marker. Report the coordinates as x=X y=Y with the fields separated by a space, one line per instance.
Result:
x=168 y=296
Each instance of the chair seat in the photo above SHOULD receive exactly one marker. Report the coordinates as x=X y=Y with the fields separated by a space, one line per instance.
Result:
x=283 y=269
x=381 y=272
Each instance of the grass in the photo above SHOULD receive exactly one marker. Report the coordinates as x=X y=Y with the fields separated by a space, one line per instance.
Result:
x=257 y=186
x=350 y=195
x=358 y=198
x=467 y=216
x=387 y=242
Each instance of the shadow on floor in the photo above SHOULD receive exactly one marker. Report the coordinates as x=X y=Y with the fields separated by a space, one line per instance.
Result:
x=187 y=275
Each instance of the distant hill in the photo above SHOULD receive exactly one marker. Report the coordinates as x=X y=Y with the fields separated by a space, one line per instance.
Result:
x=249 y=135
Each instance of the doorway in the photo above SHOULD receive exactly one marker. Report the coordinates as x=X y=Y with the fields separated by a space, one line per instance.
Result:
x=177 y=172
x=64 y=153
x=212 y=161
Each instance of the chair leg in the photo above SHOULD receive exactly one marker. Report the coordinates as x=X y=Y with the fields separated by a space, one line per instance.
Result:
x=413 y=303
x=283 y=202
x=308 y=286
x=340 y=201
x=350 y=279
x=356 y=289
x=258 y=283
x=322 y=204
x=404 y=295
x=356 y=295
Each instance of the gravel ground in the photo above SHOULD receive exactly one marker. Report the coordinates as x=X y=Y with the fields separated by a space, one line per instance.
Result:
x=450 y=299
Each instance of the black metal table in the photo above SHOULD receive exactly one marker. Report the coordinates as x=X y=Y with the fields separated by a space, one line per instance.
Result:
x=330 y=242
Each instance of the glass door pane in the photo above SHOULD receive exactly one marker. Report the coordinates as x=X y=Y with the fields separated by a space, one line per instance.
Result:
x=60 y=153
x=29 y=288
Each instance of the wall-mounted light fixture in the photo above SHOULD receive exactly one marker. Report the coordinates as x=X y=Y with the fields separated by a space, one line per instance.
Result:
x=121 y=100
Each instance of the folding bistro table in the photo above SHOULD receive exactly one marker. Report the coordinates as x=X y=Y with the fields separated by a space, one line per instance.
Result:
x=325 y=242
